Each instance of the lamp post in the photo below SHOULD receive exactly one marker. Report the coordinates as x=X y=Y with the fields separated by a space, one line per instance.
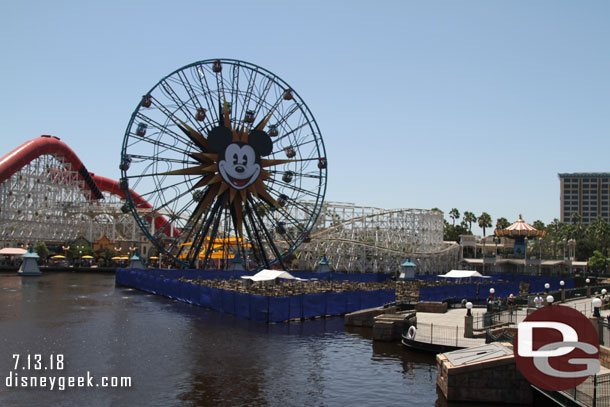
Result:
x=490 y=300
x=597 y=303
x=80 y=254
x=546 y=287
x=468 y=321
x=572 y=249
x=553 y=249
x=563 y=291
x=526 y=240
x=496 y=241
x=587 y=282
x=550 y=299
x=540 y=256
x=565 y=245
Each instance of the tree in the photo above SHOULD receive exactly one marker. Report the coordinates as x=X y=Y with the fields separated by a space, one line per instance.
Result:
x=502 y=223
x=575 y=218
x=452 y=233
x=454 y=214
x=469 y=217
x=538 y=224
x=599 y=229
x=42 y=250
x=598 y=261
x=484 y=221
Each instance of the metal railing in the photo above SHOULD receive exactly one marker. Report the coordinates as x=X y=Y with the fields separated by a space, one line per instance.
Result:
x=443 y=335
x=505 y=317
x=593 y=392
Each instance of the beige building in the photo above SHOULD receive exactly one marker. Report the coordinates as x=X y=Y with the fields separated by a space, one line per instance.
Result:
x=587 y=194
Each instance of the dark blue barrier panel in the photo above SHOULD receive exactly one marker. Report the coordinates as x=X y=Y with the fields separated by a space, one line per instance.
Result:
x=173 y=289
x=182 y=291
x=387 y=296
x=242 y=305
x=216 y=299
x=314 y=305
x=228 y=301
x=382 y=277
x=161 y=287
x=205 y=296
x=118 y=276
x=296 y=306
x=354 y=301
x=157 y=285
x=150 y=283
x=259 y=308
x=279 y=309
x=193 y=293
x=131 y=278
x=370 y=299
x=147 y=283
x=191 y=274
x=145 y=280
x=336 y=303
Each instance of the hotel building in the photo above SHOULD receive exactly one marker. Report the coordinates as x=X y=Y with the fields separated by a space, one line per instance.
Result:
x=587 y=194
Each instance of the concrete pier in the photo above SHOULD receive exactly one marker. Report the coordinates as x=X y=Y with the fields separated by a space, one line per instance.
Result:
x=388 y=327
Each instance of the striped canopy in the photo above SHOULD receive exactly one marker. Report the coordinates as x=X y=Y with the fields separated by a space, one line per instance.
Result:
x=520 y=228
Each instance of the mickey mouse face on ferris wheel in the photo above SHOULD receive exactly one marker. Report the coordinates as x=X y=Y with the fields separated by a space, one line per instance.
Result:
x=239 y=163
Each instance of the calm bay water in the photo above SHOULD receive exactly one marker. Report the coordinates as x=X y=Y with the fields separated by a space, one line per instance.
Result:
x=182 y=355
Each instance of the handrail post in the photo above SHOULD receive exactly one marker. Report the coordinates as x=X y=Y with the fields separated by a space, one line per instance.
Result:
x=594 y=390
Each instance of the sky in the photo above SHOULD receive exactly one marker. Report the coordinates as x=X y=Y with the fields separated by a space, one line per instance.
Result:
x=475 y=105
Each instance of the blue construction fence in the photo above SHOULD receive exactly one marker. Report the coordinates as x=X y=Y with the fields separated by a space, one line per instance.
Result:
x=503 y=284
x=254 y=307
x=189 y=274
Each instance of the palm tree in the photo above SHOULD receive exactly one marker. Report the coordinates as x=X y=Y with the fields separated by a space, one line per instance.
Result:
x=484 y=221
x=600 y=229
x=469 y=217
x=502 y=223
x=454 y=214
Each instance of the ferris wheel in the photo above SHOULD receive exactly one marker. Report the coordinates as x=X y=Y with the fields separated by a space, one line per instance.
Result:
x=217 y=162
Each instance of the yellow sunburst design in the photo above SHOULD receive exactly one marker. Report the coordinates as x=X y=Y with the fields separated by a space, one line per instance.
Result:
x=211 y=179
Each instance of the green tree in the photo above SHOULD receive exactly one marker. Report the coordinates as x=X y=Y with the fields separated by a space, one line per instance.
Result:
x=538 y=224
x=598 y=261
x=454 y=214
x=484 y=221
x=469 y=217
x=109 y=253
x=502 y=223
x=599 y=230
x=42 y=250
x=452 y=233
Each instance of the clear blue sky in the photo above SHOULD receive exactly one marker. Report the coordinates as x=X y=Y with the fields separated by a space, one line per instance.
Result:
x=469 y=104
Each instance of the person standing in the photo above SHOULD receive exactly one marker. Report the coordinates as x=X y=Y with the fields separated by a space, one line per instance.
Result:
x=538 y=301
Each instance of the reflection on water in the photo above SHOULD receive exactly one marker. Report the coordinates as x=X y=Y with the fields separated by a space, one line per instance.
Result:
x=178 y=354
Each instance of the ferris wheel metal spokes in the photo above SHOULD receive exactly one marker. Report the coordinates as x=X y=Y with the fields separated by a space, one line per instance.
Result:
x=216 y=161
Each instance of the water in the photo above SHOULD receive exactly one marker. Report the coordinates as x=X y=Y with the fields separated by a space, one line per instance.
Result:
x=182 y=355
